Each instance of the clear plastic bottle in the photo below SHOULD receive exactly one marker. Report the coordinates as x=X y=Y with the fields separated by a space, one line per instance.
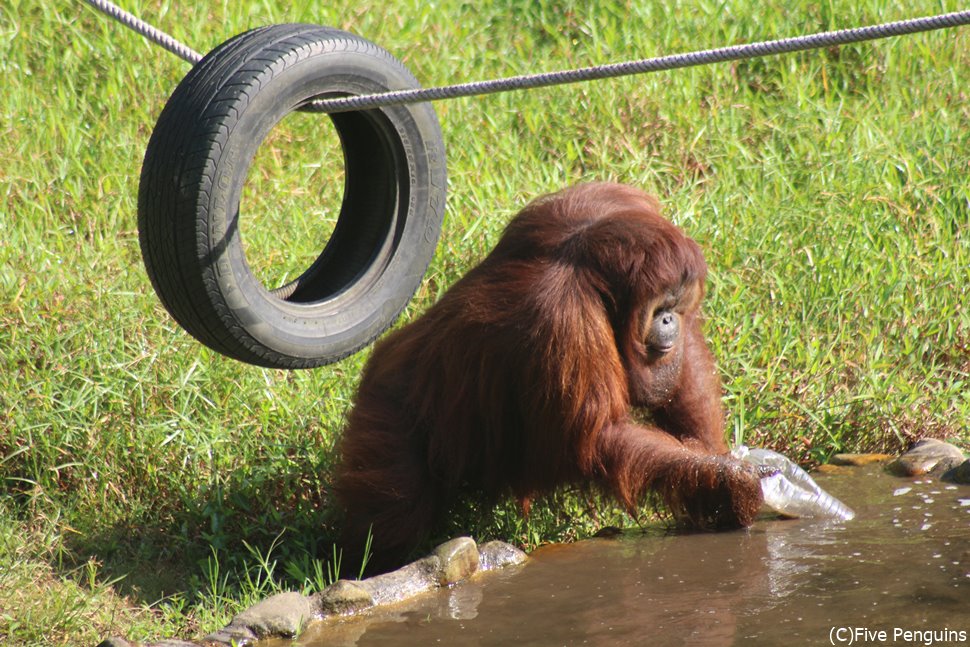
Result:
x=791 y=491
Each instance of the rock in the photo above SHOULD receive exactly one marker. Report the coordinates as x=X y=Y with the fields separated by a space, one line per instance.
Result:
x=959 y=474
x=498 y=554
x=342 y=597
x=457 y=560
x=608 y=532
x=829 y=468
x=232 y=635
x=405 y=582
x=858 y=460
x=281 y=615
x=926 y=456
x=114 y=641
x=286 y=615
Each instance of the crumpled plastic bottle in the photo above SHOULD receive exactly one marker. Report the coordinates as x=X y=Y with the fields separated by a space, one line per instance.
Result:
x=791 y=491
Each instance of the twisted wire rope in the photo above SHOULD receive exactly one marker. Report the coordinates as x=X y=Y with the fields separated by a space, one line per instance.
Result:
x=592 y=73
x=153 y=34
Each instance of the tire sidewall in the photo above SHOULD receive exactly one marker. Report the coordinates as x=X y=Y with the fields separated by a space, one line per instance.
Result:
x=314 y=333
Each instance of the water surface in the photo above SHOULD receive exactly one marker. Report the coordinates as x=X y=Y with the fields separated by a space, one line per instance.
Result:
x=903 y=565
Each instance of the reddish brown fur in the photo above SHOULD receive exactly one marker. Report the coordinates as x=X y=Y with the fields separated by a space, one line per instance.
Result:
x=523 y=376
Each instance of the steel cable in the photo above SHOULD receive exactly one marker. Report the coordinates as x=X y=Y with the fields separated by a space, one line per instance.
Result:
x=545 y=79
x=139 y=26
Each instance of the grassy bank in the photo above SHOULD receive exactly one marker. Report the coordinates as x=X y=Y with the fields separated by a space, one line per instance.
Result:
x=151 y=487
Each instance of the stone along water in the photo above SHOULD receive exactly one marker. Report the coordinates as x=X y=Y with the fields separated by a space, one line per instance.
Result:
x=898 y=574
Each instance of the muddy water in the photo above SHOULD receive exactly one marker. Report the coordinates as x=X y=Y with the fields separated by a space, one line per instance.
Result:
x=903 y=565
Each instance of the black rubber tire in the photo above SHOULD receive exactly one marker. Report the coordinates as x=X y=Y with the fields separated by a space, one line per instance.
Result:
x=195 y=168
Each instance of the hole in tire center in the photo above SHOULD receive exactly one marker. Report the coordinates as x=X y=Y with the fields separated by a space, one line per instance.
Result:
x=291 y=198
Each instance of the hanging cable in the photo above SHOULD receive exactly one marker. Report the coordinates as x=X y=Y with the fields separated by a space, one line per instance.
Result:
x=139 y=26
x=592 y=73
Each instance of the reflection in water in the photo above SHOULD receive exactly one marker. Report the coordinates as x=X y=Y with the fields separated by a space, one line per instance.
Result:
x=902 y=563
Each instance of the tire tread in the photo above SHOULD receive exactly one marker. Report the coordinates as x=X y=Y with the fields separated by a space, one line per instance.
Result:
x=179 y=173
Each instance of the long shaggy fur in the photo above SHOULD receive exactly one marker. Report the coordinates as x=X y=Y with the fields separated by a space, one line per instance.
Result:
x=523 y=376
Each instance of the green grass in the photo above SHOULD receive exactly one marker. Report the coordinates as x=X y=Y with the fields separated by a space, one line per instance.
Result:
x=150 y=487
